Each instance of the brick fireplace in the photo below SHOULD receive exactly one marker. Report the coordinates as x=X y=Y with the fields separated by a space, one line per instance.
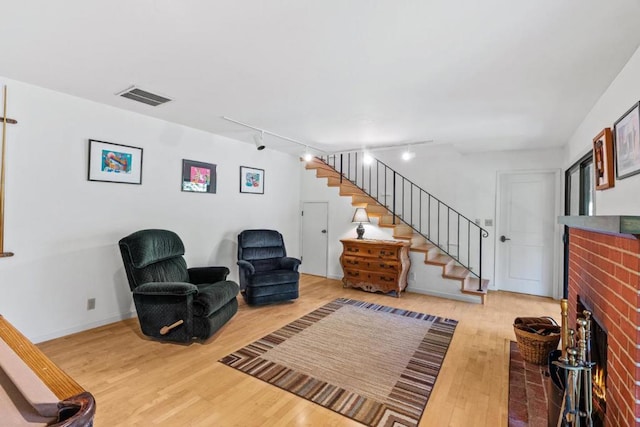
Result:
x=604 y=272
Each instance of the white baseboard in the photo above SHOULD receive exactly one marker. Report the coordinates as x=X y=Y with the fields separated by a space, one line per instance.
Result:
x=86 y=326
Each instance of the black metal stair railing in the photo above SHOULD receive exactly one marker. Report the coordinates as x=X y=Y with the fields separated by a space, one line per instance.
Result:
x=449 y=230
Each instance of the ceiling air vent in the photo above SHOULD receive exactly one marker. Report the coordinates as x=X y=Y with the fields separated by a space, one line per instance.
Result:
x=137 y=94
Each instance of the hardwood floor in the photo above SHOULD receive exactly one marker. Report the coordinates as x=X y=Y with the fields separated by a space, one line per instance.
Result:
x=139 y=382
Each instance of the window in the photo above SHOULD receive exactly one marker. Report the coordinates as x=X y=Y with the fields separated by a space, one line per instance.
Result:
x=578 y=200
x=579 y=188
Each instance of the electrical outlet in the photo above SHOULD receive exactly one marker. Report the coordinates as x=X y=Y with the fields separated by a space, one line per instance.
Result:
x=412 y=275
x=91 y=304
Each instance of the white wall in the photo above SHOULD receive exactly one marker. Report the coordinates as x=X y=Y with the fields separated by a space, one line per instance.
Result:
x=64 y=229
x=467 y=182
x=621 y=95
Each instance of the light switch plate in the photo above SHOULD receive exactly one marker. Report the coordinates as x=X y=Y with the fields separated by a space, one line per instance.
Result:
x=488 y=223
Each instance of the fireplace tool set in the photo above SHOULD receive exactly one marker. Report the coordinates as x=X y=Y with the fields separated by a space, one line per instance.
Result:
x=576 y=364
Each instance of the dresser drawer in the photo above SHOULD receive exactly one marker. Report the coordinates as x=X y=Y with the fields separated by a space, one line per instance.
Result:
x=371 y=281
x=372 y=252
x=370 y=264
x=370 y=276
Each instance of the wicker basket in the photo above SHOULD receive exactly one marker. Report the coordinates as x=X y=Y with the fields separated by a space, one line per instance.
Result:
x=535 y=348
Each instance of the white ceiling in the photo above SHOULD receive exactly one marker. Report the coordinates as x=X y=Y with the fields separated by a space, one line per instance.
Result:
x=481 y=75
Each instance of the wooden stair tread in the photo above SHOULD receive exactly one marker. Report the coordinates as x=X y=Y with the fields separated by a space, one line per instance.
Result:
x=403 y=236
x=470 y=286
x=386 y=225
x=456 y=272
x=326 y=173
x=347 y=190
x=387 y=221
x=425 y=247
x=357 y=198
x=376 y=209
x=316 y=164
x=439 y=259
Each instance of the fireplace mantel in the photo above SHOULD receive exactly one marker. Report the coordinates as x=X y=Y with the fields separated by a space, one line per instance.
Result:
x=604 y=223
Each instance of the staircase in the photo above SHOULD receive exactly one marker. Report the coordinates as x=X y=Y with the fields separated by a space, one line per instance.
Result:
x=447 y=238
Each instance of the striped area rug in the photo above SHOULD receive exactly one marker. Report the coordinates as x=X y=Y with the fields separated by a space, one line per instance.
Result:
x=369 y=362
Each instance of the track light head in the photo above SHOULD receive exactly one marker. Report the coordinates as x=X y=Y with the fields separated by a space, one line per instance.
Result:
x=408 y=155
x=367 y=158
x=307 y=156
x=259 y=141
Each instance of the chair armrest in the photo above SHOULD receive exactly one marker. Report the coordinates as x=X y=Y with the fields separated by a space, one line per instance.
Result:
x=199 y=275
x=289 y=263
x=166 y=288
x=246 y=265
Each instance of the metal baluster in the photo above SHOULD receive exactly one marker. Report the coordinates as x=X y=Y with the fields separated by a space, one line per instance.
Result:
x=377 y=180
x=458 y=250
x=403 y=201
x=341 y=173
x=394 y=197
x=362 y=166
x=448 y=228
x=438 y=222
x=356 y=169
x=429 y=216
x=480 y=261
x=469 y=243
x=420 y=211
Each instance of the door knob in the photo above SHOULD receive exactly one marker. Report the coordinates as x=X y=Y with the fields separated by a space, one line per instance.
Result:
x=324 y=231
x=504 y=239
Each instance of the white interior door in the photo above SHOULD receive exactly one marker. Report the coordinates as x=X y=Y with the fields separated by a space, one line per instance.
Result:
x=315 y=217
x=525 y=233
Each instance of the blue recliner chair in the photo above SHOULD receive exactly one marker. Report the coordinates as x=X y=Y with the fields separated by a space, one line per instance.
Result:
x=267 y=274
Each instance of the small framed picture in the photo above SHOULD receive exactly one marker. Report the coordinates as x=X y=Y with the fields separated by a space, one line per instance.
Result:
x=109 y=162
x=198 y=177
x=627 y=143
x=603 y=160
x=251 y=180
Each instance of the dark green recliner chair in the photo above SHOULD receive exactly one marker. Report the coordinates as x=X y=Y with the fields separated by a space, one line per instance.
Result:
x=175 y=303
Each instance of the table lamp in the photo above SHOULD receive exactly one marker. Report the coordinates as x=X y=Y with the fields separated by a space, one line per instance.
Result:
x=360 y=216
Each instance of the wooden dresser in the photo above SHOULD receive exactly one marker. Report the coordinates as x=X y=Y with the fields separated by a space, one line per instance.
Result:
x=375 y=265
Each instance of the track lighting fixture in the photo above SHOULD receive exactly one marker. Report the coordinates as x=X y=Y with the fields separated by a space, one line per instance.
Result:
x=307 y=156
x=367 y=158
x=408 y=154
x=258 y=139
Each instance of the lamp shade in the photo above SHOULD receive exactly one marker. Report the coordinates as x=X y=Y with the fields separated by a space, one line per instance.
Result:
x=360 y=215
